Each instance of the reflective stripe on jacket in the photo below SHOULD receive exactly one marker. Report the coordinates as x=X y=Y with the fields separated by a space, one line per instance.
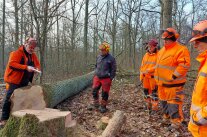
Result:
x=17 y=64
x=172 y=60
x=199 y=98
x=148 y=64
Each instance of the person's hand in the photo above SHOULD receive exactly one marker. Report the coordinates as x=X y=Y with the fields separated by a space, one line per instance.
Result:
x=36 y=70
x=30 y=69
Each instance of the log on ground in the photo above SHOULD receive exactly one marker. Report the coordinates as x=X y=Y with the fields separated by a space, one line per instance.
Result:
x=57 y=92
x=114 y=125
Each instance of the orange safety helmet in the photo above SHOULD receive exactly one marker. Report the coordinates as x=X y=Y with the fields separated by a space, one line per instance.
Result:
x=169 y=33
x=199 y=30
x=104 y=46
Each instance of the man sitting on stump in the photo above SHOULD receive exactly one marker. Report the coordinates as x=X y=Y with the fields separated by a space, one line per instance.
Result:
x=104 y=74
x=19 y=72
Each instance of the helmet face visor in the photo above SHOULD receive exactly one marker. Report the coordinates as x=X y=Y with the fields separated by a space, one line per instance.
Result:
x=197 y=34
x=167 y=34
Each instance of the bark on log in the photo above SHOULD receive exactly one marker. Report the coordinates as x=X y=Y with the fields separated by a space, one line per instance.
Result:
x=114 y=125
x=56 y=93
x=37 y=123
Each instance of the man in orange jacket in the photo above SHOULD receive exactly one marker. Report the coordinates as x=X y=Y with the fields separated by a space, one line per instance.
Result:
x=198 y=112
x=147 y=75
x=173 y=62
x=19 y=72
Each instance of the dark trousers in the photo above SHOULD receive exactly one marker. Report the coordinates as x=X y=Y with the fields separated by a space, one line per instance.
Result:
x=7 y=102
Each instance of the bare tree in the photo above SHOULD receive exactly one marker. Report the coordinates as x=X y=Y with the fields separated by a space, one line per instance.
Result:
x=86 y=32
x=167 y=13
x=3 y=37
x=16 y=15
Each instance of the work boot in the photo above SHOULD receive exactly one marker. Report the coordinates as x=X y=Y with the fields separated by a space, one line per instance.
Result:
x=102 y=107
x=93 y=105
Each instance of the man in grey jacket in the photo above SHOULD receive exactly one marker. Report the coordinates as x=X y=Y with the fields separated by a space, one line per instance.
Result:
x=105 y=72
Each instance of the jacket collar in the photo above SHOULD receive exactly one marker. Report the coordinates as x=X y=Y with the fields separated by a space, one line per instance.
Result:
x=202 y=58
x=21 y=48
x=170 y=45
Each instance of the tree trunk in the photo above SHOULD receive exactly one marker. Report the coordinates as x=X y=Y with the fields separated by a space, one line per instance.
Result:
x=16 y=23
x=167 y=13
x=86 y=32
x=56 y=93
x=49 y=95
x=3 y=38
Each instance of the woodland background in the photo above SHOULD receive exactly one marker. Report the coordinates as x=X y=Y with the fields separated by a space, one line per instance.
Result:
x=70 y=31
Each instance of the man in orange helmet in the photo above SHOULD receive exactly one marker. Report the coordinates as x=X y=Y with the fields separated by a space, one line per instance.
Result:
x=198 y=112
x=105 y=72
x=173 y=62
x=147 y=75
x=19 y=72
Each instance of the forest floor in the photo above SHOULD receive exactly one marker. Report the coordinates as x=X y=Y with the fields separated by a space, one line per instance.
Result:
x=126 y=96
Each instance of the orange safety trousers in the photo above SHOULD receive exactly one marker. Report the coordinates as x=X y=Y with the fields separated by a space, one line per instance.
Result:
x=174 y=97
x=150 y=84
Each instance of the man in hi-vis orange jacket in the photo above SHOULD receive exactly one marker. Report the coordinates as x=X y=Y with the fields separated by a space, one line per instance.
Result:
x=19 y=72
x=147 y=75
x=173 y=62
x=198 y=112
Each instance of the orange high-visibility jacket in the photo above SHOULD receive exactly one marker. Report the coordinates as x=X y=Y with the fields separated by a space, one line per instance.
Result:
x=199 y=98
x=148 y=65
x=172 y=60
x=17 y=64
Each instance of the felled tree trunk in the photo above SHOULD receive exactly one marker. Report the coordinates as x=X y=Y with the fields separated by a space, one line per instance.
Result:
x=114 y=125
x=38 y=123
x=56 y=93
x=49 y=95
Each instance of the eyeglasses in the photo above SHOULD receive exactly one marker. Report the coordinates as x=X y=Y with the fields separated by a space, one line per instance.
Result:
x=198 y=32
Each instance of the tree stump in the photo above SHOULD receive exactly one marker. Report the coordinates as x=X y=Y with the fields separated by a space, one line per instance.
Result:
x=38 y=123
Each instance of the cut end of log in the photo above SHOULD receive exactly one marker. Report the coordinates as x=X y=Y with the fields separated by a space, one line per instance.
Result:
x=29 y=97
x=45 y=114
